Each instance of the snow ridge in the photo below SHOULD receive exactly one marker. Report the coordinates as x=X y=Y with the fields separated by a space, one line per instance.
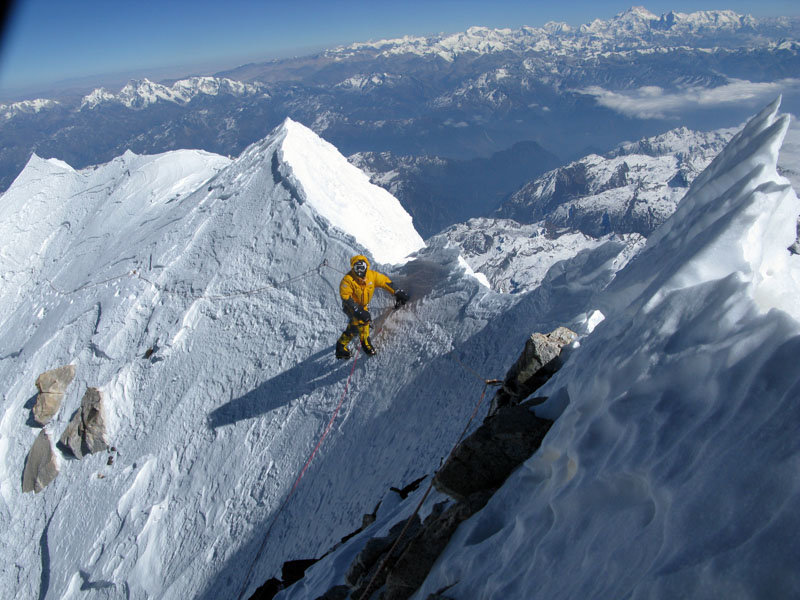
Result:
x=198 y=293
x=669 y=469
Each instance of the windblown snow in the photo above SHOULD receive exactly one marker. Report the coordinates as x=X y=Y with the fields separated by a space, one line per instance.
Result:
x=200 y=295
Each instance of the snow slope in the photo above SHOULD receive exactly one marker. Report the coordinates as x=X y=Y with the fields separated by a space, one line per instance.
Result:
x=181 y=258
x=672 y=468
x=206 y=314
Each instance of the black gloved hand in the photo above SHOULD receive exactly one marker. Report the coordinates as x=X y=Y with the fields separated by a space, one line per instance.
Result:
x=400 y=298
x=362 y=314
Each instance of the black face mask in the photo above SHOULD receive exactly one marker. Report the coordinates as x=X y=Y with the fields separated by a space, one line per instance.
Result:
x=360 y=269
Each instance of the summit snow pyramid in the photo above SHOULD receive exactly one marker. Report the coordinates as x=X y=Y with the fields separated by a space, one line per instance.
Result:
x=343 y=194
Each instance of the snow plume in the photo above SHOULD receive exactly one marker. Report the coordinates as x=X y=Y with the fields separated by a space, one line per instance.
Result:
x=671 y=470
x=653 y=102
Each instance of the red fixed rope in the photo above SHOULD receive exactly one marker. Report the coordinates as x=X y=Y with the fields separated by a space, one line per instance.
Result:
x=327 y=429
x=300 y=476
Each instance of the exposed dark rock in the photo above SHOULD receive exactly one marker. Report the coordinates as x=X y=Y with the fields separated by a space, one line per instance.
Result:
x=41 y=465
x=473 y=472
x=367 y=520
x=439 y=595
x=487 y=457
x=86 y=432
x=51 y=385
x=413 y=566
x=293 y=570
x=268 y=590
x=411 y=487
x=372 y=557
x=538 y=362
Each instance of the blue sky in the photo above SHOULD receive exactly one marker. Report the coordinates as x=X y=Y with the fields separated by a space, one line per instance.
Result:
x=49 y=41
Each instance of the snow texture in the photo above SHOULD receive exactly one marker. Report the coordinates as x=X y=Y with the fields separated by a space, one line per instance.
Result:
x=516 y=258
x=671 y=470
x=193 y=292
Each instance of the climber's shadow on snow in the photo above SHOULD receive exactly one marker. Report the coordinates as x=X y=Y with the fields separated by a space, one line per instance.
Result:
x=316 y=371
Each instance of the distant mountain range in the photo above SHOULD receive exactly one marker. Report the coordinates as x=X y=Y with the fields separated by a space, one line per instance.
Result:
x=460 y=97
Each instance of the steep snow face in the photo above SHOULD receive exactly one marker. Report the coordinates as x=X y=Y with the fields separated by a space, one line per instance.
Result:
x=671 y=470
x=343 y=194
x=789 y=160
x=192 y=291
x=54 y=214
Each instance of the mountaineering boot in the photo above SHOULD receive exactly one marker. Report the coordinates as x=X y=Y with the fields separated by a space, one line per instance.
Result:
x=342 y=351
x=369 y=350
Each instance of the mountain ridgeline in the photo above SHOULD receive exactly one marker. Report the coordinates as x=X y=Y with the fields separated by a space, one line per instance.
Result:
x=460 y=96
x=592 y=391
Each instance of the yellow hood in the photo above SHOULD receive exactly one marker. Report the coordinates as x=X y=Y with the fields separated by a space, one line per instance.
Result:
x=357 y=258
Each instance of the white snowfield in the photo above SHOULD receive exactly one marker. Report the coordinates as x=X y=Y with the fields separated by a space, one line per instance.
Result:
x=670 y=472
x=191 y=290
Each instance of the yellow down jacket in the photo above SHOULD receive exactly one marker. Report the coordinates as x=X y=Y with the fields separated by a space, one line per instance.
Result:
x=361 y=290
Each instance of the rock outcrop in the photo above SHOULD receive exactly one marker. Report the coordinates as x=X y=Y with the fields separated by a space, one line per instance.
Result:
x=540 y=359
x=41 y=465
x=474 y=471
x=370 y=561
x=51 y=385
x=486 y=458
x=86 y=432
x=416 y=561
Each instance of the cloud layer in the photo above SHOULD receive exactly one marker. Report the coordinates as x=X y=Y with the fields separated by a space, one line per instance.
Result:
x=653 y=102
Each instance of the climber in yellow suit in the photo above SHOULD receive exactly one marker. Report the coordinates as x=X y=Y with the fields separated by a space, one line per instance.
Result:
x=356 y=290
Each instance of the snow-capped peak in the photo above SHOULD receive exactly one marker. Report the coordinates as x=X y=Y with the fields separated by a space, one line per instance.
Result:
x=200 y=296
x=26 y=107
x=632 y=28
x=343 y=194
x=142 y=93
